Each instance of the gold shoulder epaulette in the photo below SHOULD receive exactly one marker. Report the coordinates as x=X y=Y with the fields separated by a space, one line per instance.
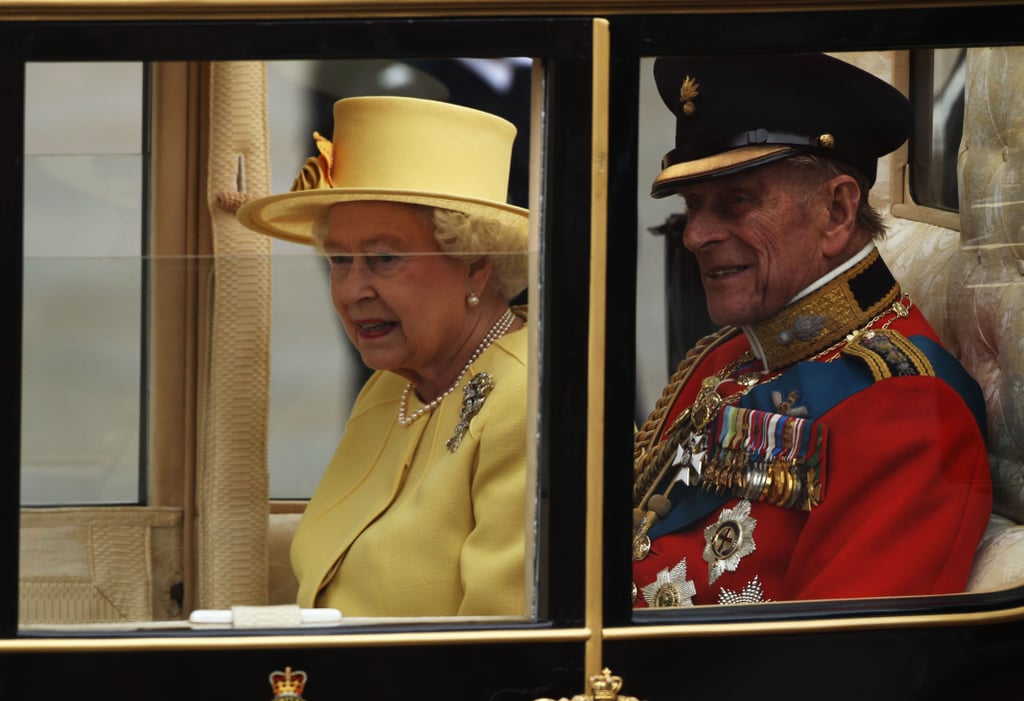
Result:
x=888 y=353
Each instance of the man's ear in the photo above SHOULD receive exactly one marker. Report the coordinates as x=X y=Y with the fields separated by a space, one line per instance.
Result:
x=842 y=198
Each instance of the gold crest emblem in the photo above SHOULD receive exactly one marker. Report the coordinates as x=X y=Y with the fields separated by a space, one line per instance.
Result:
x=689 y=90
x=288 y=685
x=604 y=687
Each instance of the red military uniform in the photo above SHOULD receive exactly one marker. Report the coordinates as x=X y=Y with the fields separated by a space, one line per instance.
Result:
x=874 y=447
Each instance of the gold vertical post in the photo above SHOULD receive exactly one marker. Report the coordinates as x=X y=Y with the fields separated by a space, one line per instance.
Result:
x=596 y=346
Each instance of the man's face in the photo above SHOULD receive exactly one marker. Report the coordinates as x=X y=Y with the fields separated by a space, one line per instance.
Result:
x=757 y=237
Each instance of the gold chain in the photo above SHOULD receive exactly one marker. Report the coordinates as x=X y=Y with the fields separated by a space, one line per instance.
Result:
x=899 y=309
x=649 y=468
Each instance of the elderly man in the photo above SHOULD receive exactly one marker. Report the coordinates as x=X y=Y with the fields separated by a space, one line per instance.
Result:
x=823 y=444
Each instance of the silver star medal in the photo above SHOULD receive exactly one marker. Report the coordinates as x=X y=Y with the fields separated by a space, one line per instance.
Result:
x=728 y=540
x=671 y=589
x=752 y=593
x=691 y=459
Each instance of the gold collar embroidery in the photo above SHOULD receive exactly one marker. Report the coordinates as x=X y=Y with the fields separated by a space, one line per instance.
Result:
x=825 y=316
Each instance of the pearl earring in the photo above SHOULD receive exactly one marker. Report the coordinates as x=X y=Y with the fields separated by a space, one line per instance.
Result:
x=472 y=300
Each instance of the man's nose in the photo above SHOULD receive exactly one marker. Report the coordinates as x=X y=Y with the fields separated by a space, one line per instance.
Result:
x=699 y=231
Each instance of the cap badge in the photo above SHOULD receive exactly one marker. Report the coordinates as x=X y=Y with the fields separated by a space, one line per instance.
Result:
x=671 y=589
x=827 y=141
x=689 y=90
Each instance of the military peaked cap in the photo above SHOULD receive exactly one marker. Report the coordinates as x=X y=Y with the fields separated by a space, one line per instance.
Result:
x=738 y=112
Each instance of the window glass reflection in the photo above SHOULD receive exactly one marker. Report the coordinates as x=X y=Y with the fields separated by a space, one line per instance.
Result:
x=85 y=353
x=83 y=280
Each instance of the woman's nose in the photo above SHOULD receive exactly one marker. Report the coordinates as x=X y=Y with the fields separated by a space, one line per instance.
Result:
x=352 y=283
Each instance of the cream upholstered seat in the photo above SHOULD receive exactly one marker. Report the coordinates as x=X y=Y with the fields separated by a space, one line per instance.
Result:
x=971 y=287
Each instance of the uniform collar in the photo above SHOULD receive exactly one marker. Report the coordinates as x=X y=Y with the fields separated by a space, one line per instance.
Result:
x=846 y=299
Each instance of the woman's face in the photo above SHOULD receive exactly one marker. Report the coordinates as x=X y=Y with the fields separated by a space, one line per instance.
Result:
x=402 y=301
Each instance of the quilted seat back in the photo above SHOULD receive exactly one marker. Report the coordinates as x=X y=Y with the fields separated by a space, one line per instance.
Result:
x=971 y=287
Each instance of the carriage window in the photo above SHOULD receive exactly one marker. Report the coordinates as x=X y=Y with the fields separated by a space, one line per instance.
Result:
x=937 y=81
x=708 y=499
x=83 y=340
x=83 y=202
x=164 y=346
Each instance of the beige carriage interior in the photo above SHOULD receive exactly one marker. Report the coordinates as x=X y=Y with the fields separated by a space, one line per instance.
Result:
x=222 y=543
x=970 y=285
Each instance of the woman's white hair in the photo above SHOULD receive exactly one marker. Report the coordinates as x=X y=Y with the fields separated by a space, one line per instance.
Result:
x=466 y=234
x=469 y=235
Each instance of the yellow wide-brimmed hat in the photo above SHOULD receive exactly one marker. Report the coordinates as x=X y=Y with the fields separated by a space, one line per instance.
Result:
x=398 y=149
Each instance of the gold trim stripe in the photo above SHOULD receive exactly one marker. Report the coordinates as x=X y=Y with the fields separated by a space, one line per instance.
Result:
x=33 y=10
x=879 y=367
x=594 y=614
x=295 y=642
x=905 y=622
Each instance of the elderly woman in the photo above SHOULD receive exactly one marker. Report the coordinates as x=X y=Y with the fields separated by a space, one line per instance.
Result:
x=422 y=509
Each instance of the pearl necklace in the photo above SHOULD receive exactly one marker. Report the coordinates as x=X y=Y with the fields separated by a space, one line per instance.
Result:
x=501 y=326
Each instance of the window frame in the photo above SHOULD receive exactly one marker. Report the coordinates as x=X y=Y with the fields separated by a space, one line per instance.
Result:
x=564 y=44
x=638 y=36
x=591 y=621
x=901 y=195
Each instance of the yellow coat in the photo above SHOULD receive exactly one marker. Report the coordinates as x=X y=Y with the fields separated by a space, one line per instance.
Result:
x=400 y=526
